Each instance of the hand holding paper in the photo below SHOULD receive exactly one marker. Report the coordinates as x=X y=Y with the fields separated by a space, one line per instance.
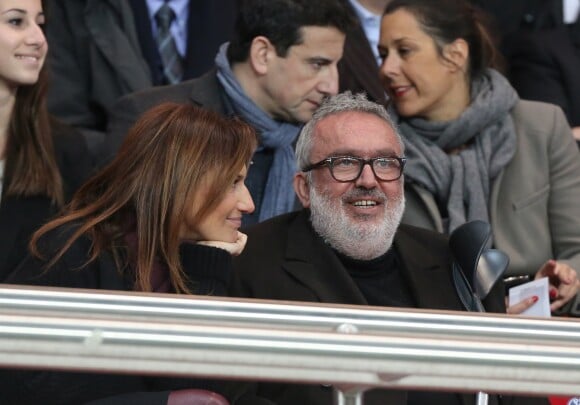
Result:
x=537 y=288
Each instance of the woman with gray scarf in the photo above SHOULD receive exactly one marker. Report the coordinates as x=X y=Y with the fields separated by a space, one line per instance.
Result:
x=475 y=150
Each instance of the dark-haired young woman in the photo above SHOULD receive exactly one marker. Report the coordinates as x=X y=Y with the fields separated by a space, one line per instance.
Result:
x=41 y=162
x=474 y=149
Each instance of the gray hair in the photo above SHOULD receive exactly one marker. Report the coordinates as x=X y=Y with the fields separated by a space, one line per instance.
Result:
x=343 y=102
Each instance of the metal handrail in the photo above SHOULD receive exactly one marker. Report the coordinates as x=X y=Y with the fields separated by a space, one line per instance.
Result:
x=282 y=341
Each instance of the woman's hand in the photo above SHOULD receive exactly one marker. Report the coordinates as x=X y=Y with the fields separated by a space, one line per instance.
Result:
x=521 y=306
x=564 y=285
x=234 y=248
x=563 y=280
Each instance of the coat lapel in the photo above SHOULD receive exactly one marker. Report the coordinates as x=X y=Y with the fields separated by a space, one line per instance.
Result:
x=208 y=93
x=314 y=264
x=428 y=201
x=427 y=271
x=494 y=200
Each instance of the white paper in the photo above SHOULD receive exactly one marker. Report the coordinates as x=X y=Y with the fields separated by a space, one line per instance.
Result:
x=537 y=287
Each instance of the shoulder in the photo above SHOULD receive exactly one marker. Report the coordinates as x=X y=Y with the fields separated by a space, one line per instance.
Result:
x=158 y=94
x=34 y=271
x=198 y=90
x=276 y=230
x=537 y=116
x=541 y=127
x=430 y=240
x=270 y=238
x=524 y=107
x=73 y=268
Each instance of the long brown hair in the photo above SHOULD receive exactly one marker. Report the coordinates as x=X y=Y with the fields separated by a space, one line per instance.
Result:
x=169 y=154
x=31 y=167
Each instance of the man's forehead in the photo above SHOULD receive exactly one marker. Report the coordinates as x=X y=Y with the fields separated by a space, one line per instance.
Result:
x=353 y=120
x=355 y=131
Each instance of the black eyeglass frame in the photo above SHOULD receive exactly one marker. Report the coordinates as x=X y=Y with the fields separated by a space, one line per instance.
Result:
x=329 y=162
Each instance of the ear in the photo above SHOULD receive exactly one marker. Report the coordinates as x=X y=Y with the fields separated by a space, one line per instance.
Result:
x=456 y=54
x=302 y=188
x=261 y=51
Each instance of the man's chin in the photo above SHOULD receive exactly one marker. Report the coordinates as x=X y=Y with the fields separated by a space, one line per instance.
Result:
x=365 y=219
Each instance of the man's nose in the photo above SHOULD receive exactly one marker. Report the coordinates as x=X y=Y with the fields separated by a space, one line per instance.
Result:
x=329 y=83
x=367 y=178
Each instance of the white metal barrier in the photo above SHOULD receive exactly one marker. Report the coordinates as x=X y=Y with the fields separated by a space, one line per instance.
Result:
x=351 y=347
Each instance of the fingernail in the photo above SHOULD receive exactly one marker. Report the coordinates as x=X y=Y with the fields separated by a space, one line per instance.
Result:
x=553 y=293
x=535 y=298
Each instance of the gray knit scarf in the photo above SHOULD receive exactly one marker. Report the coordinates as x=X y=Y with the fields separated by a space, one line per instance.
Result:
x=461 y=182
x=279 y=195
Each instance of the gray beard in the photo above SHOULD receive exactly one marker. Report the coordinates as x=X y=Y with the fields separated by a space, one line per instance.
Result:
x=361 y=239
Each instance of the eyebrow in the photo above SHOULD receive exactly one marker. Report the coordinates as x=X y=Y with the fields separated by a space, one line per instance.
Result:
x=397 y=41
x=319 y=59
x=18 y=10
x=21 y=11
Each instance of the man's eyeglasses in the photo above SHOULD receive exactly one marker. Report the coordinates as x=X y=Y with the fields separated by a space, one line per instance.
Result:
x=349 y=168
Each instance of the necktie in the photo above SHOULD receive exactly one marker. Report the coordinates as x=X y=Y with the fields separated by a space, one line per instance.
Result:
x=170 y=57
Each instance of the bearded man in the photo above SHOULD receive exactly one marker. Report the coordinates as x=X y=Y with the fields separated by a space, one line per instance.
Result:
x=346 y=246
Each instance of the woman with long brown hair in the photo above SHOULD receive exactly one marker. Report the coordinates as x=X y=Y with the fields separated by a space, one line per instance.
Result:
x=175 y=187
x=162 y=217
x=41 y=162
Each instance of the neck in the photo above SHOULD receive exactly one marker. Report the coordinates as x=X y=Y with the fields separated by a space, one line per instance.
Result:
x=458 y=99
x=249 y=81
x=7 y=100
x=363 y=263
x=374 y=6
